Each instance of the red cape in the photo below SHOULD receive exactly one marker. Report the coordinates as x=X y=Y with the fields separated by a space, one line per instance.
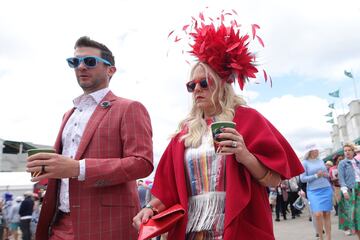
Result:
x=247 y=210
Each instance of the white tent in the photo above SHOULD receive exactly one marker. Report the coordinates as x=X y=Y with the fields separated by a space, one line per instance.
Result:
x=15 y=182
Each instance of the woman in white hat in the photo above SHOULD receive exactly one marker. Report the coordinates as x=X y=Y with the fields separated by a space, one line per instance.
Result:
x=319 y=190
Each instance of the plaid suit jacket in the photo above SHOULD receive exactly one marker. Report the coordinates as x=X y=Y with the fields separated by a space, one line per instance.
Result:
x=117 y=148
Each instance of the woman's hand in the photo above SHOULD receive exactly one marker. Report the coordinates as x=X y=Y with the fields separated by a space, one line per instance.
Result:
x=234 y=144
x=301 y=193
x=346 y=195
x=142 y=217
x=321 y=173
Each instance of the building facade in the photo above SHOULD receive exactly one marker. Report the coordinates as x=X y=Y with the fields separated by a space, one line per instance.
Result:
x=347 y=130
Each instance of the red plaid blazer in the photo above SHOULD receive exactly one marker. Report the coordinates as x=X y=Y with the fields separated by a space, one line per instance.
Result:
x=117 y=148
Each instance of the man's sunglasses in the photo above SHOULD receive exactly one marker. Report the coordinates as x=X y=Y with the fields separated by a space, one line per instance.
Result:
x=192 y=84
x=89 y=61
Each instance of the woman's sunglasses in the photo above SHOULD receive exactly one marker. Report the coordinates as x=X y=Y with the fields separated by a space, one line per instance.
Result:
x=192 y=84
x=89 y=61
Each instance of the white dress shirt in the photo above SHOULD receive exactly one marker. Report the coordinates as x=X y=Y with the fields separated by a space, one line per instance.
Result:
x=73 y=131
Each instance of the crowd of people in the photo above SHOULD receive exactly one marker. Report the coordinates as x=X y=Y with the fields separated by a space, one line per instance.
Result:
x=326 y=187
x=19 y=215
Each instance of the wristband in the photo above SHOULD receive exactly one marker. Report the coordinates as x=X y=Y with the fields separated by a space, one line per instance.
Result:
x=155 y=211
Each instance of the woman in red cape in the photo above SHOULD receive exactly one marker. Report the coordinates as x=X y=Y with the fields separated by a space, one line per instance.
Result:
x=223 y=190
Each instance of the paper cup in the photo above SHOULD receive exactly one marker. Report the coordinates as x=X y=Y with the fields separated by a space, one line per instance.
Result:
x=39 y=150
x=216 y=128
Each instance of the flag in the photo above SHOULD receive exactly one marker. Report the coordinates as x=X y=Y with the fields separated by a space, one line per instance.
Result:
x=335 y=94
x=348 y=74
x=332 y=105
x=330 y=121
x=329 y=114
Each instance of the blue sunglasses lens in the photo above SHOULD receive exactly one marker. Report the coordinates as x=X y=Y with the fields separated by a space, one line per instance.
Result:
x=89 y=61
x=73 y=62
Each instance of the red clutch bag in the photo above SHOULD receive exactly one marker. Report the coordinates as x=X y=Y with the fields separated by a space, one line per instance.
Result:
x=161 y=223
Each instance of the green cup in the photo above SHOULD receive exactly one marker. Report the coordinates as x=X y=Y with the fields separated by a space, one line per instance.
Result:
x=216 y=128
x=39 y=150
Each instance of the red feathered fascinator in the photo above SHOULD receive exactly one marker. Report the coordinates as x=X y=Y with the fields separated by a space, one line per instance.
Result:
x=223 y=48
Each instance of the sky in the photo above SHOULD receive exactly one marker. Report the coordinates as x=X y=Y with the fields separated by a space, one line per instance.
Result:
x=308 y=45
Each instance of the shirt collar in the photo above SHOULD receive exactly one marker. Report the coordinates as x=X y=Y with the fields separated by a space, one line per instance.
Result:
x=97 y=96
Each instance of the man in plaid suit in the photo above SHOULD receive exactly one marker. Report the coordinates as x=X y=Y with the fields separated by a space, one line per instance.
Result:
x=103 y=146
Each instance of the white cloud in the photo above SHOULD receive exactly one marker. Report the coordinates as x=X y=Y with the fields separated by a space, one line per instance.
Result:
x=300 y=119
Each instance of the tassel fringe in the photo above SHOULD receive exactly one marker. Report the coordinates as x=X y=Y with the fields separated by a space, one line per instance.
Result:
x=206 y=212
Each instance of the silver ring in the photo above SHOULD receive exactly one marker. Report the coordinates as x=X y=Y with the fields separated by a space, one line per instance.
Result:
x=234 y=144
x=43 y=169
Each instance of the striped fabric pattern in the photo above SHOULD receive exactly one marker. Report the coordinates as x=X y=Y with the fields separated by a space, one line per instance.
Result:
x=205 y=173
x=205 y=170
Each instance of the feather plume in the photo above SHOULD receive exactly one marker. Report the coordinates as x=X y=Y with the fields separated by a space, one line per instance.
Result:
x=223 y=48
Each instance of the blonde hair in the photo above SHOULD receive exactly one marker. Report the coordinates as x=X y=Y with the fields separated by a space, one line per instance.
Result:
x=223 y=98
x=350 y=145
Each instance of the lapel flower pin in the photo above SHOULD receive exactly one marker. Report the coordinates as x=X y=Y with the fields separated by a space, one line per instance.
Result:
x=105 y=104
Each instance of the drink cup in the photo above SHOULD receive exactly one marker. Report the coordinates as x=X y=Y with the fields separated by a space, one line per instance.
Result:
x=216 y=128
x=39 y=150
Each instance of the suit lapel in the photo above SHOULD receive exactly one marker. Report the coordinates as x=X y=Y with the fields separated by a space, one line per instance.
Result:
x=93 y=123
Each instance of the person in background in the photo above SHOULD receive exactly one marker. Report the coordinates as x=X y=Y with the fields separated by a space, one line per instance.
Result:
x=2 y=219
x=319 y=190
x=14 y=217
x=148 y=191
x=293 y=193
x=25 y=212
x=357 y=152
x=224 y=190
x=281 y=200
x=272 y=198
x=328 y=165
x=104 y=144
x=8 y=201
x=333 y=173
x=349 y=178
x=142 y=190
x=35 y=214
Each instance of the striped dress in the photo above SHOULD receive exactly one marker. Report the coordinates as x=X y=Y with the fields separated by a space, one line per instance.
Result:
x=205 y=172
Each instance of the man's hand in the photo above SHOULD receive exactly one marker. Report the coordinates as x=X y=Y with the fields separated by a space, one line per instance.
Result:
x=54 y=165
